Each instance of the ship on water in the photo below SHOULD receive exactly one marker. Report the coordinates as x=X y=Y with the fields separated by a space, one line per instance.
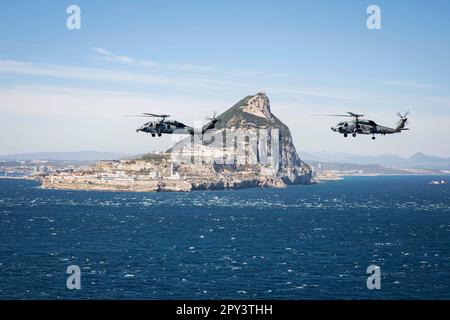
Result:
x=438 y=182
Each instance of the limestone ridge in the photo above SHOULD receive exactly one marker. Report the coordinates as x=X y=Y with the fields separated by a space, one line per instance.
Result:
x=253 y=114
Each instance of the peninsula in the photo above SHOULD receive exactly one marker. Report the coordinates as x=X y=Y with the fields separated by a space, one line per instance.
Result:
x=249 y=147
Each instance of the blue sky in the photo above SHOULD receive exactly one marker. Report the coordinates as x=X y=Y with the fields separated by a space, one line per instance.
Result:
x=66 y=89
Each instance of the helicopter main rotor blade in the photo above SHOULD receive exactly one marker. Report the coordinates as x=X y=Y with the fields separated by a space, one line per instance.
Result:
x=156 y=115
x=349 y=114
x=331 y=115
x=137 y=115
x=355 y=114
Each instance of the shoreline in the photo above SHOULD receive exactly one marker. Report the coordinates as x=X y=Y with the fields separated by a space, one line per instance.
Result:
x=18 y=178
x=188 y=190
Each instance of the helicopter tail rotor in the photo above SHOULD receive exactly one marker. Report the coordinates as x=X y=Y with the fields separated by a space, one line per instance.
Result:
x=213 y=118
x=403 y=121
x=404 y=116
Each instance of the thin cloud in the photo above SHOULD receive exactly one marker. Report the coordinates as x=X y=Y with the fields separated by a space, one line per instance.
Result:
x=111 y=57
x=184 y=76
x=214 y=82
x=230 y=73
x=106 y=75
x=115 y=58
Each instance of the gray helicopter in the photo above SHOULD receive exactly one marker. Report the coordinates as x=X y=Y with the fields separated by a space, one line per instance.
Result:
x=163 y=126
x=364 y=126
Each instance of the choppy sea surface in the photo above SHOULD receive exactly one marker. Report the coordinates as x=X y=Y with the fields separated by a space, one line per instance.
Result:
x=302 y=242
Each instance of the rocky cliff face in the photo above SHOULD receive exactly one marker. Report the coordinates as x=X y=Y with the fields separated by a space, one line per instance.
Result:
x=249 y=136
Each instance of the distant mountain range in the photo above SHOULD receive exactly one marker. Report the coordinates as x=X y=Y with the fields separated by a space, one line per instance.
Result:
x=66 y=156
x=418 y=160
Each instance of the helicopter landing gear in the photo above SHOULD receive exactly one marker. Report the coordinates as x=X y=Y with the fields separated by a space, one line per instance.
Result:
x=354 y=135
x=345 y=135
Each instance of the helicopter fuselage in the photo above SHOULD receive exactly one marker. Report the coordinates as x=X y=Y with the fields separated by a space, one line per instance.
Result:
x=173 y=127
x=363 y=126
x=164 y=127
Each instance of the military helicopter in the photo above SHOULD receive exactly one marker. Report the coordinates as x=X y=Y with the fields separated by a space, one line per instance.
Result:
x=160 y=126
x=363 y=126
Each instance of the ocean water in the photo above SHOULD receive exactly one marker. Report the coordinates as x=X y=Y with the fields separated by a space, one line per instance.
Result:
x=302 y=242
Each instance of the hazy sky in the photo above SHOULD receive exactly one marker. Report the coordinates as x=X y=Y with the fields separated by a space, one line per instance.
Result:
x=66 y=90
